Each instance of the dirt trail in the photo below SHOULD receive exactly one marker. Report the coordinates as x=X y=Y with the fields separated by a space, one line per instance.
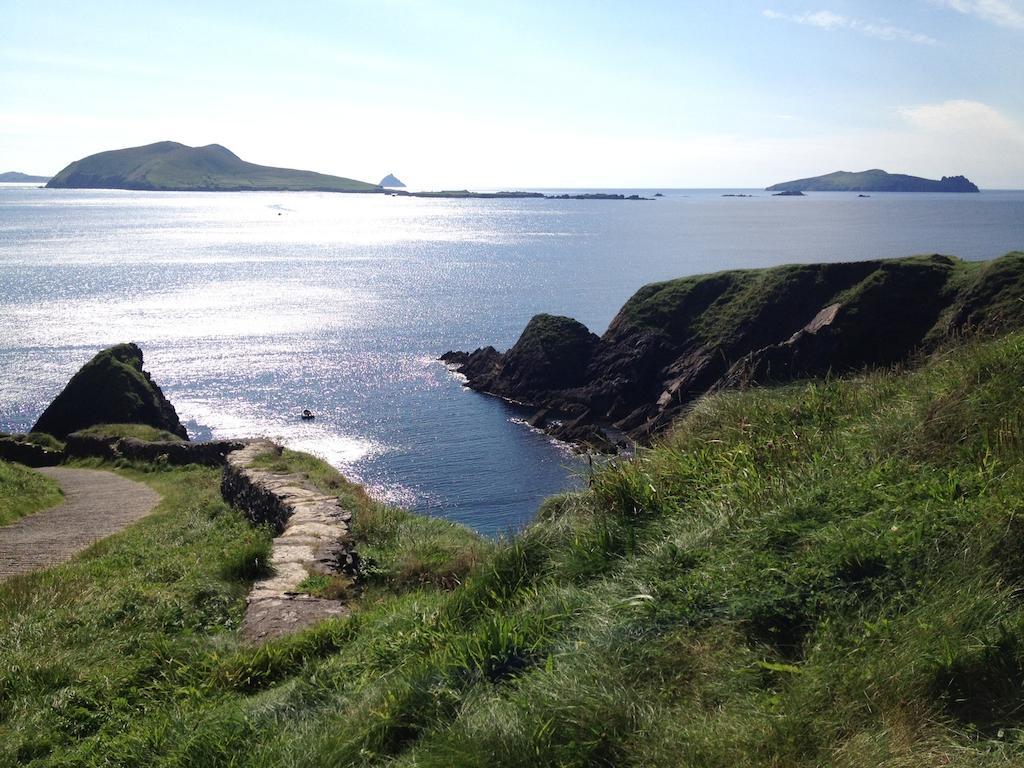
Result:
x=96 y=504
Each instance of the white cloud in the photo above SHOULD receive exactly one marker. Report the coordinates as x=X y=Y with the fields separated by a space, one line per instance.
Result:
x=962 y=115
x=830 y=21
x=1005 y=13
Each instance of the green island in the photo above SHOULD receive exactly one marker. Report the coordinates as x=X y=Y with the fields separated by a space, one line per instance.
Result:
x=170 y=166
x=822 y=571
x=874 y=180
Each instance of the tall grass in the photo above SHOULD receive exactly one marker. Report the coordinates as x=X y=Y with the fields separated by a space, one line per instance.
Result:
x=138 y=431
x=24 y=491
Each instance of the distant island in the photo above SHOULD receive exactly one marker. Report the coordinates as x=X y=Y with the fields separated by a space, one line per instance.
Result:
x=168 y=166
x=519 y=194
x=173 y=167
x=14 y=176
x=874 y=180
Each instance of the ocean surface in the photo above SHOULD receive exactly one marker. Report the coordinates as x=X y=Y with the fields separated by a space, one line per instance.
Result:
x=250 y=307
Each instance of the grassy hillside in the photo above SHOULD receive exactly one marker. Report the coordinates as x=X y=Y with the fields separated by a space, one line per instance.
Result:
x=824 y=573
x=722 y=308
x=168 y=165
x=24 y=491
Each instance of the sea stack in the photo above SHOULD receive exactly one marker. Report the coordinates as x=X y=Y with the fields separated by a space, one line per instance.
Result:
x=112 y=388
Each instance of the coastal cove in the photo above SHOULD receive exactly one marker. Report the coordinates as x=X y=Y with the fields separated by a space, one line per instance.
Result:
x=253 y=306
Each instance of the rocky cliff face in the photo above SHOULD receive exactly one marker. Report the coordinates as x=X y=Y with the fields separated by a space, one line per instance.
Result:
x=552 y=353
x=112 y=388
x=674 y=341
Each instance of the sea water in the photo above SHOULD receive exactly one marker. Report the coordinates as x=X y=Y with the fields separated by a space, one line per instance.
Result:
x=250 y=307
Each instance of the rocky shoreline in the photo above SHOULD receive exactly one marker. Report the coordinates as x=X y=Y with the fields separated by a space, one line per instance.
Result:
x=676 y=341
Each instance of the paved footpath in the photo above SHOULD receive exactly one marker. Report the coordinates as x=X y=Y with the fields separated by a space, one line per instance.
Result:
x=96 y=504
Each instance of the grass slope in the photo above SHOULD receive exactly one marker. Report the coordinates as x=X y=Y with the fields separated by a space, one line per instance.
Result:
x=24 y=491
x=887 y=310
x=168 y=165
x=825 y=573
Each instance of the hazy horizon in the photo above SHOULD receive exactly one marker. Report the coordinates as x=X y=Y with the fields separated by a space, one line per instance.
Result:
x=448 y=94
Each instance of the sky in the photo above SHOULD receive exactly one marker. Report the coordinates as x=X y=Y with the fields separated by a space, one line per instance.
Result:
x=553 y=93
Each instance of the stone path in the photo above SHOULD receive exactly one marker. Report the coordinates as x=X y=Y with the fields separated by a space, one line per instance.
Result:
x=96 y=504
x=313 y=539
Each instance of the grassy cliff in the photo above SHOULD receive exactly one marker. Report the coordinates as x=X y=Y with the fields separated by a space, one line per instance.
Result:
x=168 y=165
x=821 y=573
x=674 y=341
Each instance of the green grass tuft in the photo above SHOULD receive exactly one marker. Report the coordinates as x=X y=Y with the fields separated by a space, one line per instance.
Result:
x=328 y=586
x=24 y=491
x=138 y=431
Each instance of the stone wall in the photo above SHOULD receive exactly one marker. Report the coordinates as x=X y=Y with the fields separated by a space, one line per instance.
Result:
x=312 y=538
x=29 y=454
x=248 y=491
x=212 y=454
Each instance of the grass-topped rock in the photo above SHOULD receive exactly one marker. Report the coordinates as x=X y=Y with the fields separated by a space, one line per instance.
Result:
x=553 y=352
x=112 y=388
x=135 y=431
x=674 y=341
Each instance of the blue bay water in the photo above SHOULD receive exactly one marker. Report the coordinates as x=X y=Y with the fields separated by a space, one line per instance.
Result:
x=252 y=306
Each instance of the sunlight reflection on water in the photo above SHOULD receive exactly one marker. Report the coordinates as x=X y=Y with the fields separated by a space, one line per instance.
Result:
x=252 y=306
